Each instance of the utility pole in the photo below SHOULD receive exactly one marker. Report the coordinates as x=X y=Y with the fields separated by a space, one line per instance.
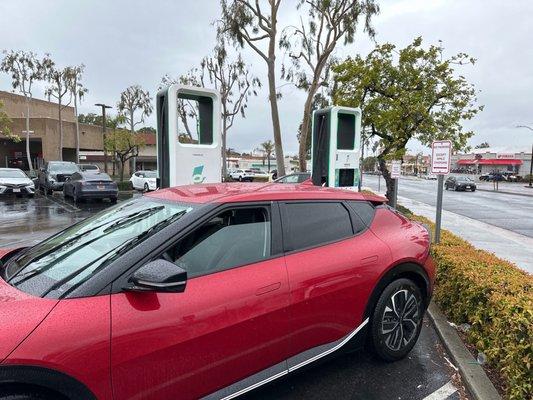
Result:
x=531 y=161
x=103 y=131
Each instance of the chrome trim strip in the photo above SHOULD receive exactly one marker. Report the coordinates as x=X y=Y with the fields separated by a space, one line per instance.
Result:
x=272 y=378
x=341 y=343
x=334 y=348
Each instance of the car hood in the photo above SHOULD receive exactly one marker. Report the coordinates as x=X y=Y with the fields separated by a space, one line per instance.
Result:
x=20 y=314
x=15 y=181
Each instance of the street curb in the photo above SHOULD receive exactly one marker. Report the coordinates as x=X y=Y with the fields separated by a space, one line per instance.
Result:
x=475 y=379
x=505 y=192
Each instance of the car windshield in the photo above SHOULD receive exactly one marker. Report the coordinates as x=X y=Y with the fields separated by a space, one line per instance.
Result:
x=66 y=167
x=464 y=179
x=12 y=173
x=58 y=265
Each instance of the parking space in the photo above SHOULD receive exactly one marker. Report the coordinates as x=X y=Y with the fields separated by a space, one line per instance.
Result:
x=425 y=372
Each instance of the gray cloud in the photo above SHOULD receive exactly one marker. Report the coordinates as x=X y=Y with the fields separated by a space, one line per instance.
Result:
x=126 y=42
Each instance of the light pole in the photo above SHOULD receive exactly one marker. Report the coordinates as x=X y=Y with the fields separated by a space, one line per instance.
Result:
x=103 y=131
x=531 y=161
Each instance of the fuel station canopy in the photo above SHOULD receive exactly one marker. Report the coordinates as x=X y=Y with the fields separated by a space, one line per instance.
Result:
x=188 y=136
x=335 y=147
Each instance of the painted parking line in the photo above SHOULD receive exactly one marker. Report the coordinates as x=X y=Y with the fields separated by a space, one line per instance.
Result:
x=443 y=392
x=63 y=204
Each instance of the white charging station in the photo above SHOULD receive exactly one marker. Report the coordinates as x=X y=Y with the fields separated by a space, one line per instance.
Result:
x=197 y=161
x=336 y=147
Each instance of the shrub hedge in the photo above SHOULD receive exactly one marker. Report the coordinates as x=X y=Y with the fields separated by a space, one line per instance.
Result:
x=493 y=296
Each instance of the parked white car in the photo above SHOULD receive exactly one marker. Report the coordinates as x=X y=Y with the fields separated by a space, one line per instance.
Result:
x=431 y=177
x=13 y=180
x=242 y=175
x=144 y=180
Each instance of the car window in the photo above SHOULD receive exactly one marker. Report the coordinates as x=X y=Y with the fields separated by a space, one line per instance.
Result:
x=58 y=265
x=303 y=177
x=311 y=224
x=364 y=210
x=150 y=174
x=233 y=238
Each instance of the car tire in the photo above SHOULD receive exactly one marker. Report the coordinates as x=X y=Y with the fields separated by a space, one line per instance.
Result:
x=146 y=187
x=240 y=178
x=392 y=335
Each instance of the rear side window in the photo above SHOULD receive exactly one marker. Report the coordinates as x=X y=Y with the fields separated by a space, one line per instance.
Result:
x=365 y=211
x=313 y=224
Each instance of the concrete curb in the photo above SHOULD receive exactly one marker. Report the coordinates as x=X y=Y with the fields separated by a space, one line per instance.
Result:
x=475 y=379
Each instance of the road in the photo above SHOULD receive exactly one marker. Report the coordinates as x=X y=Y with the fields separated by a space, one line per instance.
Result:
x=510 y=212
x=425 y=372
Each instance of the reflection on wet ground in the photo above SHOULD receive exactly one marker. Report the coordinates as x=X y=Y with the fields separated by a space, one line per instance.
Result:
x=26 y=221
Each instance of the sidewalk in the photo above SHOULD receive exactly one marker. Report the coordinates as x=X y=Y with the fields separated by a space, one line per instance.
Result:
x=503 y=243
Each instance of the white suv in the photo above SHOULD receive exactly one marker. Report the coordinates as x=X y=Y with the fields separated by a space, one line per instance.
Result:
x=242 y=175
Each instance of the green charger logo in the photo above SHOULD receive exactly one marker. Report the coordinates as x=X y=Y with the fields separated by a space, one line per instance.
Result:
x=197 y=176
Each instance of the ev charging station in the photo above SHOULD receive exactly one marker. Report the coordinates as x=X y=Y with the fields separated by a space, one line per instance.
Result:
x=336 y=147
x=198 y=161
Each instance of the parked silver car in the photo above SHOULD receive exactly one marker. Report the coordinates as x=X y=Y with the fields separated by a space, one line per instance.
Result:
x=14 y=180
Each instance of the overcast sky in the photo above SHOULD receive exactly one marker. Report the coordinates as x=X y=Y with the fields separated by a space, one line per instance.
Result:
x=126 y=42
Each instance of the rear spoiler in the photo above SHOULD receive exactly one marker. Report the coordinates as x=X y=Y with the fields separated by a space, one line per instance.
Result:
x=375 y=199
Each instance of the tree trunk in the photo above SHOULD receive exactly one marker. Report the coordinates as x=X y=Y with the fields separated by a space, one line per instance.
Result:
x=60 y=131
x=133 y=160
x=28 y=154
x=274 y=112
x=280 y=159
x=77 y=124
x=224 y=162
x=122 y=164
x=306 y=123
x=386 y=175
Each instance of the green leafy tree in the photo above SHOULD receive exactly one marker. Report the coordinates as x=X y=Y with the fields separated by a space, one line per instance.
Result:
x=369 y=163
x=124 y=145
x=5 y=125
x=26 y=69
x=410 y=93
x=255 y=24
x=311 y=45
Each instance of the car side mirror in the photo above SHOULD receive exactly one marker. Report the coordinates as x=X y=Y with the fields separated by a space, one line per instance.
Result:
x=158 y=276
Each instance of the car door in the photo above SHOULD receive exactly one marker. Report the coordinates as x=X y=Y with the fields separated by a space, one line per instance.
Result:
x=135 y=180
x=330 y=255
x=230 y=323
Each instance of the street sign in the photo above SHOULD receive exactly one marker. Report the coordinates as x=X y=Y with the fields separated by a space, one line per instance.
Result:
x=396 y=169
x=441 y=155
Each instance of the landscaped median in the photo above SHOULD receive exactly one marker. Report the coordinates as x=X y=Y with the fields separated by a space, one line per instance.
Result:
x=495 y=298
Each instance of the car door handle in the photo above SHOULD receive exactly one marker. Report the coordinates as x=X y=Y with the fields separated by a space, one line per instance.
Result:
x=267 y=289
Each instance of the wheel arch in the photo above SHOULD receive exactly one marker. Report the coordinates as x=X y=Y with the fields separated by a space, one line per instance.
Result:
x=409 y=270
x=45 y=379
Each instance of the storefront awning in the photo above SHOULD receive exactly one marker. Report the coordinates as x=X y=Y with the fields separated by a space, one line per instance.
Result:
x=495 y=161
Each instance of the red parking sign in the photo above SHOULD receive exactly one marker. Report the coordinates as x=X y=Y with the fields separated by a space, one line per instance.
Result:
x=441 y=154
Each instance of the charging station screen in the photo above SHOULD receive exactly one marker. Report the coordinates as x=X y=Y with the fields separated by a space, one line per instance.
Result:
x=346 y=132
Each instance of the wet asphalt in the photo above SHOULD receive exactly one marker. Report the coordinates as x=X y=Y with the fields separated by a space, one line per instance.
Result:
x=26 y=221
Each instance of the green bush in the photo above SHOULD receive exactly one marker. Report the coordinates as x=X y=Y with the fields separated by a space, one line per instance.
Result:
x=496 y=299
x=124 y=186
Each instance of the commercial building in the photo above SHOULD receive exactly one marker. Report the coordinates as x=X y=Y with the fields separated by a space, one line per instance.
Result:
x=483 y=161
x=44 y=133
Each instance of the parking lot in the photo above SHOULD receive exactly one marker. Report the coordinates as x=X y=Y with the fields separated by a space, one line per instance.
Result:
x=425 y=372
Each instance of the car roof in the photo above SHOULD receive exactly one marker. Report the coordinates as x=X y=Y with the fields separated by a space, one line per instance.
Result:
x=247 y=192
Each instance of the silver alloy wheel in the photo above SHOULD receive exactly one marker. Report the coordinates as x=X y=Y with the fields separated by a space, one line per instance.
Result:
x=400 y=319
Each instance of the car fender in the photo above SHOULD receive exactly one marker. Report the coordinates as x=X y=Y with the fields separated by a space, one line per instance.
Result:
x=46 y=378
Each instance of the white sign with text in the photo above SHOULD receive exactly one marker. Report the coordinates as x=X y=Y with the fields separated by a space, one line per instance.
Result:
x=396 y=169
x=441 y=154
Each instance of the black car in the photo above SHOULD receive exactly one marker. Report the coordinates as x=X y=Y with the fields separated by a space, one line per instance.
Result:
x=54 y=175
x=493 y=176
x=297 y=177
x=90 y=185
x=460 y=183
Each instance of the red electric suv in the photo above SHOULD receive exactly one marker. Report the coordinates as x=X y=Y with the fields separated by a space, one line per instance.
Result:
x=209 y=291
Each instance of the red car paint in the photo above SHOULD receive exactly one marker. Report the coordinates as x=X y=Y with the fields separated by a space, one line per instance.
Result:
x=226 y=326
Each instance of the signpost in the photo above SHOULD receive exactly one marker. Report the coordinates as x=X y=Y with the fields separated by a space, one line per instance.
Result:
x=396 y=171
x=441 y=152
